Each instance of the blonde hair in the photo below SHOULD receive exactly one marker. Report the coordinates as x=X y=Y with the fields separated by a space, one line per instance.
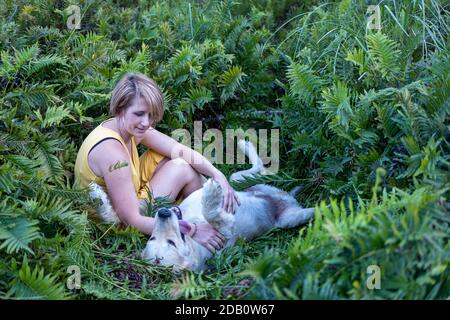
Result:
x=132 y=86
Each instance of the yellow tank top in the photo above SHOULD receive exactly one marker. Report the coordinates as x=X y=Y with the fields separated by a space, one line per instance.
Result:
x=83 y=173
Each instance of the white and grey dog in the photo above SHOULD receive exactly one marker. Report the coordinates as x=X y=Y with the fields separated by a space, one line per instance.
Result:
x=262 y=208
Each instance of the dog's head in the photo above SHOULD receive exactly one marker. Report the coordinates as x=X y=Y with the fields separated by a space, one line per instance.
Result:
x=167 y=246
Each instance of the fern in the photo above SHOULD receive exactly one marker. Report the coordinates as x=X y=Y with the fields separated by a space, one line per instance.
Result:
x=50 y=164
x=357 y=57
x=303 y=82
x=7 y=181
x=231 y=82
x=337 y=104
x=198 y=97
x=350 y=240
x=23 y=56
x=53 y=116
x=17 y=233
x=184 y=65
x=137 y=64
x=34 y=284
x=384 y=55
x=33 y=97
x=44 y=62
x=385 y=118
x=22 y=163
x=190 y=286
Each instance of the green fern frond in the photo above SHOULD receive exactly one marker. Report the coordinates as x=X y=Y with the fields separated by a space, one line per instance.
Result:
x=44 y=62
x=412 y=119
x=53 y=116
x=16 y=144
x=281 y=180
x=184 y=65
x=237 y=27
x=136 y=64
x=336 y=104
x=22 y=163
x=35 y=284
x=357 y=57
x=384 y=55
x=213 y=54
x=17 y=233
x=199 y=96
x=304 y=84
x=312 y=289
x=38 y=32
x=7 y=67
x=190 y=286
x=7 y=180
x=385 y=114
x=24 y=56
x=367 y=137
x=35 y=96
x=50 y=164
x=81 y=195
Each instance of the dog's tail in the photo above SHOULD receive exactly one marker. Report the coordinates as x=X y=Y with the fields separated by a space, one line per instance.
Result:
x=104 y=210
x=257 y=165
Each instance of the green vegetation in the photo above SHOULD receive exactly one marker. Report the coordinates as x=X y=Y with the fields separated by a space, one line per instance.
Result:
x=364 y=127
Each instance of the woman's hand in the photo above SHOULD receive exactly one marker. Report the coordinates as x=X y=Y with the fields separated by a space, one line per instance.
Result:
x=204 y=234
x=230 y=197
x=208 y=237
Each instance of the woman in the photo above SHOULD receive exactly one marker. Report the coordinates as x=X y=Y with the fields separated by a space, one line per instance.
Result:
x=108 y=156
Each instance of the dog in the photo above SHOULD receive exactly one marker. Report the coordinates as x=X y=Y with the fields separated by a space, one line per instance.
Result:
x=262 y=208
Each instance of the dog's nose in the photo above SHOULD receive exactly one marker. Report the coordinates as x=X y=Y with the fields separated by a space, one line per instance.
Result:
x=164 y=213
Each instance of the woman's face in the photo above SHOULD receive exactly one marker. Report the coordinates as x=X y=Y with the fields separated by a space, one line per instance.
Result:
x=136 y=118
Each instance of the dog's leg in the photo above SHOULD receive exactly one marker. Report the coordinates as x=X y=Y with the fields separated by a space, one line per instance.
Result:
x=213 y=212
x=294 y=216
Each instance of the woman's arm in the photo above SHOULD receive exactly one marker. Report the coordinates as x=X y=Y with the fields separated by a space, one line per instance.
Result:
x=119 y=184
x=172 y=149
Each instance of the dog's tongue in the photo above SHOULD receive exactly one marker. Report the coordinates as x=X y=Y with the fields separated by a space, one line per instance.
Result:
x=185 y=227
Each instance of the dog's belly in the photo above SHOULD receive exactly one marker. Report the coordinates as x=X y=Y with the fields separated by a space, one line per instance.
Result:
x=252 y=217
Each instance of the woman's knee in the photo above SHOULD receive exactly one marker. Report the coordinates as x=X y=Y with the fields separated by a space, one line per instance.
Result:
x=183 y=169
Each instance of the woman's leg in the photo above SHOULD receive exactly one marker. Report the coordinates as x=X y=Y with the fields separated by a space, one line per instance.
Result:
x=173 y=177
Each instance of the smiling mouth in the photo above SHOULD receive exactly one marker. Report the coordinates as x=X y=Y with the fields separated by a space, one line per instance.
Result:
x=177 y=211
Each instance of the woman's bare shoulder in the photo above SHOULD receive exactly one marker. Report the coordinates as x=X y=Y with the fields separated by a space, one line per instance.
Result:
x=108 y=152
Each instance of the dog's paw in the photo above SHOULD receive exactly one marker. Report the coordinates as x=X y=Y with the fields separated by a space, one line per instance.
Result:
x=211 y=199
x=212 y=192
